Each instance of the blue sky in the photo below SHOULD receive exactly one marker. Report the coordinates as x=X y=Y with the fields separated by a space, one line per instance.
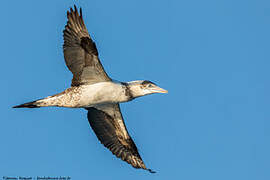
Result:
x=212 y=56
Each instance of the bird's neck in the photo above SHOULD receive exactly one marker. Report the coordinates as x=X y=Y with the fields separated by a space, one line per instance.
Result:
x=132 y=90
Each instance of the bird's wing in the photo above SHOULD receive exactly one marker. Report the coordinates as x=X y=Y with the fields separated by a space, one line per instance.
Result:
x=107 y=123
x=80 y=52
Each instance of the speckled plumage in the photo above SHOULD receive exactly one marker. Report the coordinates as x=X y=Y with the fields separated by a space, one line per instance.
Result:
x=87 y=95
x=68 y=98
x=94 y=90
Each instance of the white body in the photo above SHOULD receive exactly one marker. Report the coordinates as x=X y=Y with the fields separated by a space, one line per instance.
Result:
x=87 y=95
x=84 y=96
x=101 y=93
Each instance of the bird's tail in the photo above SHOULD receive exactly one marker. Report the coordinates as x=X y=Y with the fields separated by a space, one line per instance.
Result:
x=33 y=104
x=59 y=100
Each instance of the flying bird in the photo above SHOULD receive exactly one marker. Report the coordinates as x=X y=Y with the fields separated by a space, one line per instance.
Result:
x=94 y=90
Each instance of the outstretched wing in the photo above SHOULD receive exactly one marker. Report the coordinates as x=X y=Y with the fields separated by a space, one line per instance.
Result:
x=107 y=123
x=80 y=52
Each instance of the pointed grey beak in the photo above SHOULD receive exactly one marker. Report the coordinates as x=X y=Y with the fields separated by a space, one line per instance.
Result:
x=159 y=90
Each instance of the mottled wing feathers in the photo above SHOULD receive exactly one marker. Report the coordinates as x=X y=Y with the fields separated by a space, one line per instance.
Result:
x=108 y=125
x=80 y=52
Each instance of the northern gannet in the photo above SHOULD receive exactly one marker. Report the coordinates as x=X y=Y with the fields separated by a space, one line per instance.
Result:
x=95 y=91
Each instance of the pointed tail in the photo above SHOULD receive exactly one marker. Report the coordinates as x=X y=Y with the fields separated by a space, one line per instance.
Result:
x=32 y=104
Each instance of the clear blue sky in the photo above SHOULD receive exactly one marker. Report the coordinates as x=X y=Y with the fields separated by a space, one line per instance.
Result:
x=212 y=56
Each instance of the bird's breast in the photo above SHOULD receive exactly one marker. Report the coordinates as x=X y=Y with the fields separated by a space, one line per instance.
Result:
x=100 y=93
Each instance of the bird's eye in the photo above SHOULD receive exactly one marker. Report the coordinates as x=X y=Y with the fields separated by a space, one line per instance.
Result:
x=150 y=85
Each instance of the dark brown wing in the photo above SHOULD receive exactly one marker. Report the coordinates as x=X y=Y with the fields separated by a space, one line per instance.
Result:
x=107 y=123
x=80 y=52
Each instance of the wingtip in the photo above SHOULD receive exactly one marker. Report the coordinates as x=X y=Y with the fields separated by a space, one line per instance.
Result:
x=81 y=12
x=75 y=8
x=151 y=171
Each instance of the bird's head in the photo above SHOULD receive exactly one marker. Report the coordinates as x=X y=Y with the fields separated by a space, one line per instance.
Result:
x=144 y=87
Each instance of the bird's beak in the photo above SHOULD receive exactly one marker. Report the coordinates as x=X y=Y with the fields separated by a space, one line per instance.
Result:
x=159 y=90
